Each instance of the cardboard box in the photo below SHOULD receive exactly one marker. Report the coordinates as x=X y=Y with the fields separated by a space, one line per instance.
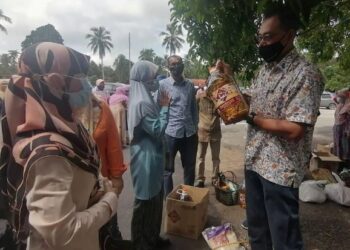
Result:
x=323 y=158
x=187 y=218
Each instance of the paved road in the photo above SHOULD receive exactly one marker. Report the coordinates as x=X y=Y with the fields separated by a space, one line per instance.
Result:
x=315 y=218
x=232 y=159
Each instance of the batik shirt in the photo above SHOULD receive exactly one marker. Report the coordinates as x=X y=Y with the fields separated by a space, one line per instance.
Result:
x=288 y=90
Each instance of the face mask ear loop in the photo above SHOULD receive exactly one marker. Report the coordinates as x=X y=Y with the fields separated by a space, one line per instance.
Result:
x=37 y=78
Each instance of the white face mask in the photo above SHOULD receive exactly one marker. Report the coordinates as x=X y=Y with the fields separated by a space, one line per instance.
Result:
x=80 y=98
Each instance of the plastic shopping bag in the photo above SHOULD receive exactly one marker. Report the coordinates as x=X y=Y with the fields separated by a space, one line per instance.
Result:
x=312 y=191
x=338 y=192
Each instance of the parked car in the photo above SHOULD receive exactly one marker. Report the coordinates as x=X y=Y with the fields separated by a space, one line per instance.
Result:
x=327 y=100
x=110 y=87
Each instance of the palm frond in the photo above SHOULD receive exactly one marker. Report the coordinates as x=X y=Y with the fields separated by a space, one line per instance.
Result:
x=5 y=18
x=3 y=29
x=163 y=33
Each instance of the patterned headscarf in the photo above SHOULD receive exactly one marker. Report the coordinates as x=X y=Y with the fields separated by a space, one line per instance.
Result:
x=40 y=122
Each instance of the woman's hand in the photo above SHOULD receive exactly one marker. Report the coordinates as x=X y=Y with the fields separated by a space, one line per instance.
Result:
x=95 y=197
x=164 y=99
x=106 y=186
x=118 y=184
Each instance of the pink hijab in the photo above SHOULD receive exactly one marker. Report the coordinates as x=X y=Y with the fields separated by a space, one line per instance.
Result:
x=120 y=95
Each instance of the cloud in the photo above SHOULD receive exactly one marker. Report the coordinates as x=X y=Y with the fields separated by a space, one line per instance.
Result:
x=144 y=19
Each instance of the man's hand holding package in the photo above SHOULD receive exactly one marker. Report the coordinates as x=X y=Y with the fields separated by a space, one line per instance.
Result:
x=201 y=93
x=223 y=67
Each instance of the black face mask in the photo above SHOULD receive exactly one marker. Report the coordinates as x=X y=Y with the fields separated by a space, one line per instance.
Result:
x=176 y=70
x=152 y=86
x=271 y=52
x=101 y=87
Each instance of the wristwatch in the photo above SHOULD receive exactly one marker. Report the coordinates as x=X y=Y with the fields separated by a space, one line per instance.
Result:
x=250 y=118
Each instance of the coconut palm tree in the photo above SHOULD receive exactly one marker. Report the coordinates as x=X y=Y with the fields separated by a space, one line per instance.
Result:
x=100 y=41
x=172 y=38
x=5 y=18
x=147 y=54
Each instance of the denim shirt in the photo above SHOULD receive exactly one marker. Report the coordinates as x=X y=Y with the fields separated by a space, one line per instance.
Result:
x=183 y=112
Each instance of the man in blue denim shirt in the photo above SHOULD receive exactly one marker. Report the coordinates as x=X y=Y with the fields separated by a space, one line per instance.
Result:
x=181 y=132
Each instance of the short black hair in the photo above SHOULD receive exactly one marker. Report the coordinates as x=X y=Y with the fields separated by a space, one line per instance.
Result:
x=174 y=56
x=288 y=18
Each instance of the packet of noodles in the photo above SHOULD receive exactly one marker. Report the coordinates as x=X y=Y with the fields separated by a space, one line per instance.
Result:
x=227 y=97
x=221 y=238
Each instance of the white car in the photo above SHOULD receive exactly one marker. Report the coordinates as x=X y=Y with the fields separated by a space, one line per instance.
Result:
x=327 y=100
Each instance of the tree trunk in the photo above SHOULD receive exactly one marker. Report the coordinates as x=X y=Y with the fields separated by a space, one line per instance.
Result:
x=102 y=69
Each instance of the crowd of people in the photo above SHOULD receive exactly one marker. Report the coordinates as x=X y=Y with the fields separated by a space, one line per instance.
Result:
x=62 y=160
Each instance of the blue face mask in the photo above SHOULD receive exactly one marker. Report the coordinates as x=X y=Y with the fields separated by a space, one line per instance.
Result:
x=81 y=98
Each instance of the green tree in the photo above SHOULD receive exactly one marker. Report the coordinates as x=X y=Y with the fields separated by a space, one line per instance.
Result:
x=110 y=75
x=335 y=76
x=13 y=55
x=147 y=54
x=327 y=35
x=46 y=33
x=172 y=38
x=162 y=63
x=6 y=68
x=94 y=72
x=6 y=19
x=195 y=68
x=122 y=66
x=99 y=41
x=226 y=29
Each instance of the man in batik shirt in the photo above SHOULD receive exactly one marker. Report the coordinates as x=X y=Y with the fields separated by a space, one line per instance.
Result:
x=285 y=98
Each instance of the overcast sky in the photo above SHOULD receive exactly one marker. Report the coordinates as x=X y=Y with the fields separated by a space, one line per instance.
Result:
x=144 y=19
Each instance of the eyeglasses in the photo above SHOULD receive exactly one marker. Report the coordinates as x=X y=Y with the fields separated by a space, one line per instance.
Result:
x=267 y=37
x=175 y=65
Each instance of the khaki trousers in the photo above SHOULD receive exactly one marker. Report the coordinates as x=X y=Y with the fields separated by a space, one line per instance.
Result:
x=215 y=156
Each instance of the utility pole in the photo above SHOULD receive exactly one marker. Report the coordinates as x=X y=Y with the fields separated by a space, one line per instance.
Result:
x=129 y=54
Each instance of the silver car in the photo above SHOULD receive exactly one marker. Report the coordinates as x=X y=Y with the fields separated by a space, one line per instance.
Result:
x=327 y=100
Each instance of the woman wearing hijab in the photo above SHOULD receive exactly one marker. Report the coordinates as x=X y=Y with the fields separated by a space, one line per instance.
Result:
x=50 y=160
x=118 y=104
x=147 y=150
x=341 y=129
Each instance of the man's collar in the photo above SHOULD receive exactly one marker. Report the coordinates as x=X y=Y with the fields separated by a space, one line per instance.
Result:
x=173 y=82
x=284 y=64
